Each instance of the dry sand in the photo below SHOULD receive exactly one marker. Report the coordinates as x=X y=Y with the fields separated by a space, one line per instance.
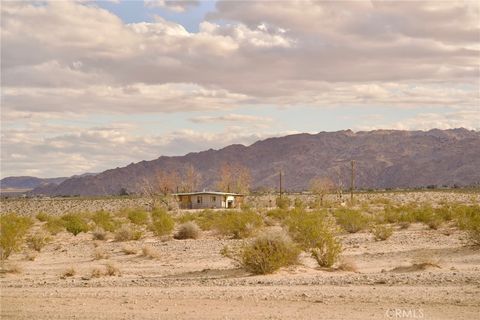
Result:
x=191 y=280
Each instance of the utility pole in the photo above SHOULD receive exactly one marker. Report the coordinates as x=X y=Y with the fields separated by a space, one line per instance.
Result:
x=280 y=183
x=352 y=181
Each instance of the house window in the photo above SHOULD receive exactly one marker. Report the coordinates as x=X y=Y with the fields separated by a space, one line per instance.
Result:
x=199 y=199
x=214 y=199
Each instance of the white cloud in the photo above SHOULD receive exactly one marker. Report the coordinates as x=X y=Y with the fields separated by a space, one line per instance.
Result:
x=231 y=118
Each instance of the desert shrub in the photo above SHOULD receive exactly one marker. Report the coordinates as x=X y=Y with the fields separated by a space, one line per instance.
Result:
x=351 y=220
x=278 y=214
x=299 y=204
x=468 y=219
x=97 y=273
x=10 y=268
x=129 y=250
x=99 y=234
x=327 y=250
x=205 y=219
x=42 y=216
x=238 y=225
x=269 y=253
x=38 y=240
x=13 y=229
x=283 y=202
x=99 y=254
x=150 y=252
x=188 y=230
x=75 y=223
x=382 y=232
x=54 y=225
x=347 y=265
x=137 y=216
x=70 y=272
x=111 y=270
x=127 y=233
x=104 y=220
x=315 y=232
x=398 y=214
x=162 y=223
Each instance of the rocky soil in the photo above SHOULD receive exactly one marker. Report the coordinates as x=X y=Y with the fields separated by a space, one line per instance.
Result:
x=418 y=273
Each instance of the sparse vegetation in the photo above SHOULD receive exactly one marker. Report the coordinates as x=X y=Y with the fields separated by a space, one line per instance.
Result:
x=127 y=233
x=238 y=225
x=75 y=223
x=137 y=216
x=129 y=250
x=42 y=216
x=351 y=220
x=162 y=223
x=54 y=225
x=13 y=229
x=347 y=265
x=105 y=220
x=468 y=219
x=38 y=240
x=283 y=202
x=100 y=254
x=111 y=269
x=70 y=272
x=382 y=232
x=99 y=234
x=188 y=230
x=269 y=253
x=150 y=252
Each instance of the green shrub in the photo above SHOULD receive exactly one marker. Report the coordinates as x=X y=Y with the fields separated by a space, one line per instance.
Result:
x=468 y=219
x=279 y=214
x=138 y=216
x=351 y=220
x=327 y=250
x=283 y=202
x=13 y=229
x=382 y=232
x=188 y=230
x=42 y=216
x=299 y=204
x=237 y=224
x=75 y=223
x=315 y=232
x=162 y=223
x=38 y=241
x=54 y=225
x=127 y=233
x=105 y=220
x=269 y=253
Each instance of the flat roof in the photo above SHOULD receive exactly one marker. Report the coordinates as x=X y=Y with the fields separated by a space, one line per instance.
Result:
x=218 y=193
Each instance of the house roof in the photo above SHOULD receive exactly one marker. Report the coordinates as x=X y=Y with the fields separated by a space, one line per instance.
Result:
x=218 y=193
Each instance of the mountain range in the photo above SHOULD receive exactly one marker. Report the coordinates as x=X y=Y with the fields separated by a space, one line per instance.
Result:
x=383 y=159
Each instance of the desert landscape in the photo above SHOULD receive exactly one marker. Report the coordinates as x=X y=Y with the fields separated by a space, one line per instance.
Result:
x=423 y=270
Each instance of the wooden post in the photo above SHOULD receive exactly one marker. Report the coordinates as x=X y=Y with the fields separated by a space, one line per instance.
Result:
x=280 y=183
x=352 y=181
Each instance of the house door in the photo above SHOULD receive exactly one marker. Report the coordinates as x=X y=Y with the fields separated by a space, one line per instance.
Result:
x=230 y=204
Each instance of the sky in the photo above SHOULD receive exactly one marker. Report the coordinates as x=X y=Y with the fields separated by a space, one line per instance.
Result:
x=93 y=85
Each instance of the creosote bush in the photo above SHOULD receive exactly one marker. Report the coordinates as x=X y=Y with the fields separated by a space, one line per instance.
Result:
x=351 y=220
x=38 y=240
x=54 y=225
x=162 y=223
x=42 y=216
x=137 y=216
x=468 y=219
x=127 y=233
x=236 y=224
x=188 y=230
x=382 y=232
x=283 y=202
x=315 y=232
x=268 y=253
x=105 y=220
x=75 y=223
x=13 y=229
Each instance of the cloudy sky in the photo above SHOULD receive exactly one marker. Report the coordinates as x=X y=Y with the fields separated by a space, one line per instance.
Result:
x=88 y=86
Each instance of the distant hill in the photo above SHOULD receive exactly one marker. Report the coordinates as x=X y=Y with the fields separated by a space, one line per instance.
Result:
x=27 y=182
x=384 y=159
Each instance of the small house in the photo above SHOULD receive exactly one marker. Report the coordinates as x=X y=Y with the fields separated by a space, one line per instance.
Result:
x=208 y=200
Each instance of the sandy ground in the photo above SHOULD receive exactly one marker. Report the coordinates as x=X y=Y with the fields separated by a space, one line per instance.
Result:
x=190 y=279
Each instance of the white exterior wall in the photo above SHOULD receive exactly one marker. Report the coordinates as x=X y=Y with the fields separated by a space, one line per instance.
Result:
x=207 y=201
